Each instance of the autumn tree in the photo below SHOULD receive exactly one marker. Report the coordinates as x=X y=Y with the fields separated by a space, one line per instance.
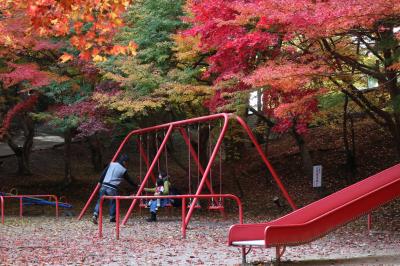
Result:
x=238 y=50
x=354 y=41
x=299 y=50
x=39 y=38
x=156 y=79
x=162 y=82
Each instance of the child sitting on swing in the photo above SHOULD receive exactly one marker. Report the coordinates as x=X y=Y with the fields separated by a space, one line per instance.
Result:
x=162 y=188
x=159 y=190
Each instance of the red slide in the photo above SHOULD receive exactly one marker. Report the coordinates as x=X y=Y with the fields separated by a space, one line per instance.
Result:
x=319 y=218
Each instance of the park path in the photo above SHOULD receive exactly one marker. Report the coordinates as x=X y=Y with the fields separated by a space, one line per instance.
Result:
x=41 y=141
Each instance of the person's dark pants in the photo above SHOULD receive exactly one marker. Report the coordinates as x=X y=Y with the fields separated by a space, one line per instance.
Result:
x=154 y=207
x=106 y=191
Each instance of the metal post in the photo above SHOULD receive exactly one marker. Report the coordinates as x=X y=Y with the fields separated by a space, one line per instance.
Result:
x=117 y=217
x=101 y=217
x=244 y=255
x=2 y=209
x=267 y=163
x=95 y=190
x=369 y=222
x=182 y=197
x=277 y=252
x=57 y=214
x=20 y=207
x=183 y=228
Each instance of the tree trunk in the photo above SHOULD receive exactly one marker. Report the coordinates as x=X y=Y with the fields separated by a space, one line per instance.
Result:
x=385 y=49
x=267 y=135
x=23 y=152
x=203 y=146
x=304 y=153
x=350 y=166
x=259 y=135
x=67 y=157
x=96 y=152
x=236 y=179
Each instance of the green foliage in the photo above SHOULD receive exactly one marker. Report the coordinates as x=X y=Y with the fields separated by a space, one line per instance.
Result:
x=331 y=100
x=395 y=104
x=155 y=80
x=135 y=77
x=152 y=23
x=65 y=123
x=234 y=143
x=66 y=92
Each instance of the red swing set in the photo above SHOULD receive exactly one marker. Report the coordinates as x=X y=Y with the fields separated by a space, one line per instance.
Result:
x=204 y=175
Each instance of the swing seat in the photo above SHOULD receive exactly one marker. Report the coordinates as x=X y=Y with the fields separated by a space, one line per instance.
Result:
x=143 y=204
x=216 y=207
x=197 y=206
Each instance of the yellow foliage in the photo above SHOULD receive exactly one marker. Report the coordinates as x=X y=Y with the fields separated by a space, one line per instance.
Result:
x=98 y=58
x=185 y=93
x=187 y=48
x=128 y=105
x=65 y=58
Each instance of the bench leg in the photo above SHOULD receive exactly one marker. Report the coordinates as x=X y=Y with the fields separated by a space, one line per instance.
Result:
x=244 y=256
x=279 y=252
x=244 y=253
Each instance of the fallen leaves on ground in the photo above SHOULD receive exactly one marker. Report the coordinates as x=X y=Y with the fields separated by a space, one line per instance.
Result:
x=66 y=241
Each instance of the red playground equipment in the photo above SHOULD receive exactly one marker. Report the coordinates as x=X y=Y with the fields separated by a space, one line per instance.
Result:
x=321 y=217
x=165 y=131
x=31 y=200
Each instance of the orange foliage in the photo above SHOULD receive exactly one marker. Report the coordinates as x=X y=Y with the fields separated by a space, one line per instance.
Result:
x=94 y=24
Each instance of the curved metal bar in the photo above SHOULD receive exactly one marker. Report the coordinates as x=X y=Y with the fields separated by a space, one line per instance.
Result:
x=101 y=217
x=2 y=209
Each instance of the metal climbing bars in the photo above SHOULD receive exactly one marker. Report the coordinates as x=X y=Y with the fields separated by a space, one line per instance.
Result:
x=204 y=180
x=182 y=197
x=21 y=202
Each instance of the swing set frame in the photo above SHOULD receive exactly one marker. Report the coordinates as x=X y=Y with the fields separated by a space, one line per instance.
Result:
x=204 y=181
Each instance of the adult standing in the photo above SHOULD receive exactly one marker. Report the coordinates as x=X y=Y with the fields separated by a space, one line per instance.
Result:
x=110 y=181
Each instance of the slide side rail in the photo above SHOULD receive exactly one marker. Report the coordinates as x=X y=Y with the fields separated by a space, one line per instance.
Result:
x=296 y=234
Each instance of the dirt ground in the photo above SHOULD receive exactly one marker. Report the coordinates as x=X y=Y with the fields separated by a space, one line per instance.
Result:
x=40 y=239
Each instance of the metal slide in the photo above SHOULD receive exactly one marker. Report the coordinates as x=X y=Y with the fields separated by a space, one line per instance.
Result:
x=321 y=217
